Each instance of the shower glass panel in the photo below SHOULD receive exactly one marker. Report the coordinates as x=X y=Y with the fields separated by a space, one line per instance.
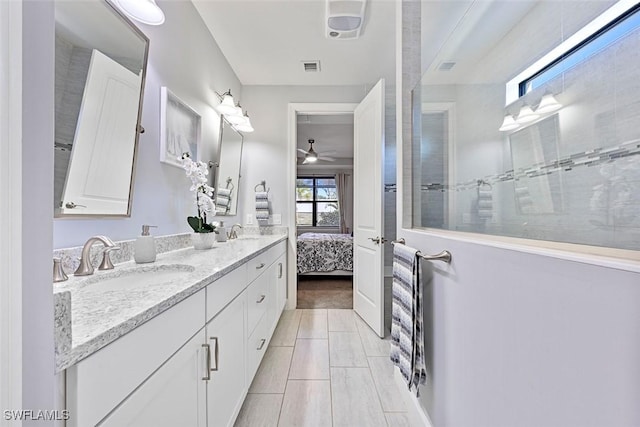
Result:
x=565 y=172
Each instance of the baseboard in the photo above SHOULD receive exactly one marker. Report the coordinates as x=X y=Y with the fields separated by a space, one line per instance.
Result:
x=417 y=415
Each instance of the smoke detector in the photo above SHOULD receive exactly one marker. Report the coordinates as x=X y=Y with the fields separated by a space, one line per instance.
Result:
x=344 y=18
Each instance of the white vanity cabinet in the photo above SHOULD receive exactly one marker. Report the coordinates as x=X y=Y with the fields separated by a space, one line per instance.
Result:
x=190 y=365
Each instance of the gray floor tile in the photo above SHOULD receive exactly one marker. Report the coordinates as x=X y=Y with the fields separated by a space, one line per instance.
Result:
x=390 y=395
x=354 y=399
x=310 y=360
x=273 y=372
x=345 y=350
x=287 y=329
x=313 y=325
x=306 y=403
x=372 y=343
x=341 y=321
x=260 y=410
x=397 y=419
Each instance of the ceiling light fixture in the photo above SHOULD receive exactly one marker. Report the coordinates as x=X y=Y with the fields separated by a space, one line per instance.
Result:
x=311 y=155
x=246 y=125
x=145 y=11
x=227 y=104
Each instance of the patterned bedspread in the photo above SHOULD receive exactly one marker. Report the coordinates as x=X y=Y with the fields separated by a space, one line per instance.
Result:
x=320 y=252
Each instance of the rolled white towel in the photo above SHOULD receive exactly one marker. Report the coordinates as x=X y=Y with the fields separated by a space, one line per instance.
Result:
x=224 y=192
x=222 y=201
x=262 y=205
x=262 y=214
x=262 y=195
x=485 y=204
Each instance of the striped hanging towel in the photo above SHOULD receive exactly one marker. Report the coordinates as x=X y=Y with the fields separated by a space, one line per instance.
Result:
x=407 y=337
x=262 y=205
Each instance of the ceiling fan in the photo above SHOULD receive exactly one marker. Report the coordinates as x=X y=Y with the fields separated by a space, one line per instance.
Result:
x=312 y=156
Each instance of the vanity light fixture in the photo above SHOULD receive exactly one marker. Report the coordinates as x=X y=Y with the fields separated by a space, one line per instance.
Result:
x=145 y=11
x=508 y=124
x=237 y=117
x=246 y=125
x=227 y=104
x=548 y=104
x=526 y=115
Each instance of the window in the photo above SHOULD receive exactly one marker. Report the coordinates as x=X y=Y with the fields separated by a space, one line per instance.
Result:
x=317 y=202
x=598 y=41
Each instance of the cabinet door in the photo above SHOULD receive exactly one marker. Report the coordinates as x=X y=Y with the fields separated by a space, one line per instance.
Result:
x=226 y=337
x=175 y=395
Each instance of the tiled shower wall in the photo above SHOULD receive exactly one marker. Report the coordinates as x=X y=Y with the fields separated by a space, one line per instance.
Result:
x=581 y=182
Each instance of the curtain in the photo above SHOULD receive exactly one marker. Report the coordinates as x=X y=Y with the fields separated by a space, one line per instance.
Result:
x=344 y=186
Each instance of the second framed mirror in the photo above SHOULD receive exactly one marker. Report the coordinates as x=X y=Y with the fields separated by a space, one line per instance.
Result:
x=227 y=178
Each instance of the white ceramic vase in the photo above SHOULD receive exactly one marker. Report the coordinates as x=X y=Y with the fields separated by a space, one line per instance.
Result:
x=203 y=240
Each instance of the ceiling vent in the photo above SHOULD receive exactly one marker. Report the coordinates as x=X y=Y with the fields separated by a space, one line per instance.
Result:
x=446 y=66
x=344 y=19
x=311 y=66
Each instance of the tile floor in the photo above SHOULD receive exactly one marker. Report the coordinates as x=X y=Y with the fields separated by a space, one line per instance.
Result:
x=324 y=367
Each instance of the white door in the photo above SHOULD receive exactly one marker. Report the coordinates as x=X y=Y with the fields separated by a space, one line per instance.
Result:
x=100 y=168
x=174 y=395
x=368 y=220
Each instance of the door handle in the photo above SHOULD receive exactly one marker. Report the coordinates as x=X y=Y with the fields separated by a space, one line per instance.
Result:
x=378 y=240
x=71 y=205
x=444 y=256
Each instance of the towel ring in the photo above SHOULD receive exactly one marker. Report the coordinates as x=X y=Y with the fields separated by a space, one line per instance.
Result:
x=264 y=186
x=444 y=256
x=229 y=183
x=482 y=182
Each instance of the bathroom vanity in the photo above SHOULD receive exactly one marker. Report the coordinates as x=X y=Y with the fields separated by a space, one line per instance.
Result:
x=177 y=342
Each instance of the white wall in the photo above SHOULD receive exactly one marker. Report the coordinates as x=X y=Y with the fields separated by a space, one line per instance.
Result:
x=184 y=57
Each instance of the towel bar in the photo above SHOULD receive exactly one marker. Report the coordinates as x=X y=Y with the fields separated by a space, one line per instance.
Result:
x=444 y=256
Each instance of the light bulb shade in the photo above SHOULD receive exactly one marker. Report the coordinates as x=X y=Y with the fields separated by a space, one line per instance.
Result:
x=548 y=104
x=245 y=127
x=227 y=106
x=526 y=115
x=235 y=119
x=508 y=124
x=145 y=11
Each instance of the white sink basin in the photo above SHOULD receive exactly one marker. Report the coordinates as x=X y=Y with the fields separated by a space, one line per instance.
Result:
x=136 y=278
x=248 y=238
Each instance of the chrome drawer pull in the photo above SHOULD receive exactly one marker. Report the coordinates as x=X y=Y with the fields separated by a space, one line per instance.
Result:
x=207 y=359
x=258 y=267
x=262 y=341
x=262 y=297
x=215 y=353
x=279 y=270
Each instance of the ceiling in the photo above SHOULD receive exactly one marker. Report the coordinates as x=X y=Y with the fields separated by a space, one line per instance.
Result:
x=265 y=42
x=331 y=132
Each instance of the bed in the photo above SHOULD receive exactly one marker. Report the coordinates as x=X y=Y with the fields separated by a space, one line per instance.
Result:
x=323 y=253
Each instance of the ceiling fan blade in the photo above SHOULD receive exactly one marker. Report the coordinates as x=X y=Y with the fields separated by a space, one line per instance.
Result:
x=328 y=159
x=302 y=151
x=328 y=153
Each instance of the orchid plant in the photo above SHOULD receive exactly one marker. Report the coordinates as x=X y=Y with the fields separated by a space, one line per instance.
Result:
x=197 y=172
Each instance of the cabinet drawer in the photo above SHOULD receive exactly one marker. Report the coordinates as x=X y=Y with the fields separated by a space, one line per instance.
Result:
x=256 y=347
x=98 y=383
x=225 y=289
x=259 y=264
x=258 y=297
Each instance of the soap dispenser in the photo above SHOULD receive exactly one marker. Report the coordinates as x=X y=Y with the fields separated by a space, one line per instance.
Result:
x=222 y=232
x=144 y=248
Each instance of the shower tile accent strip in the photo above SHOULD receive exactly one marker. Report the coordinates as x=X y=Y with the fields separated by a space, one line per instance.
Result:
x=595 y=157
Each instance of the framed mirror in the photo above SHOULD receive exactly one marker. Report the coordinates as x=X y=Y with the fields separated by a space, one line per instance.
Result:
x=227 y=177
x=100 y=69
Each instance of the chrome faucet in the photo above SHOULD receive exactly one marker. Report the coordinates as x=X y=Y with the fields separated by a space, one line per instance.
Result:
x=233 y=234
x=85 y=268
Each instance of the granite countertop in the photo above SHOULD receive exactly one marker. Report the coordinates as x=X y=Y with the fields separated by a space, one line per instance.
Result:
x=89 y=318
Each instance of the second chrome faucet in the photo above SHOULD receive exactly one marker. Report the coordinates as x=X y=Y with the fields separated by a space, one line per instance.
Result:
x=85 y=268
